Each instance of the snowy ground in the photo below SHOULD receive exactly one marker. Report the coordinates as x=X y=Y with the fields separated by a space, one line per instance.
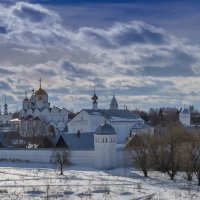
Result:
x=25 y=181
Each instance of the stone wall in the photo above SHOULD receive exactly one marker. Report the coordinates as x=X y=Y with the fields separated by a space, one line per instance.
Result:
x=83 y=158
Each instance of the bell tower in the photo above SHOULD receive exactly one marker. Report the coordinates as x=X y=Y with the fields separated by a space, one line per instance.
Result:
x=5 y=108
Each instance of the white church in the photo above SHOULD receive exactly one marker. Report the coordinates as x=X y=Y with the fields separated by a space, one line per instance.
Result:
x=37 y=107
x=122 y=120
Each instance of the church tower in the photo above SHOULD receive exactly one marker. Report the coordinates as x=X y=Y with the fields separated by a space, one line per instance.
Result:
x=25 y=103
x=95 y=104
x=113 y=103
x=5 y=108
x=105 y=147
x=41 y=97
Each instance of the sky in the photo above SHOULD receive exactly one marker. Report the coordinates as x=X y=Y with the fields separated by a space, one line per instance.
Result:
x=145 y=52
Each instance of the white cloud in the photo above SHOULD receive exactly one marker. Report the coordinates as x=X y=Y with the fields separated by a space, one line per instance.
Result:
x=143 y=64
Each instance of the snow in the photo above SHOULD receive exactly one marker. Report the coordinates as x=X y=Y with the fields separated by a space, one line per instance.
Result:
x=95 y=113
x=38 y=181
x=119 y=119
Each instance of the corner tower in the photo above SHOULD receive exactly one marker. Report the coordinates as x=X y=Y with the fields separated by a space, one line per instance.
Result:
x=105 y=147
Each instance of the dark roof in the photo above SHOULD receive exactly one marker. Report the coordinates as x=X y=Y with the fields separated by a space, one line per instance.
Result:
x=105 y=129
x=30 y=117
x=85 y=141
x=120 y=113
x=61 y=143
x=5 y=128
x=2 y=140
x=1 y=145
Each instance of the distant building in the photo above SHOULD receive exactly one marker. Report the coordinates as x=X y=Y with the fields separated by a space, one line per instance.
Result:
x=184 y=117
x=37 y=108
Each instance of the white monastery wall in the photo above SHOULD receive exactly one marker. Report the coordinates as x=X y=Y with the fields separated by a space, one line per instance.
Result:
x=82 y=158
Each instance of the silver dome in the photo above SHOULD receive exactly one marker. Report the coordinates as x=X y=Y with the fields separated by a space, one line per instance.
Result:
x=105 y=129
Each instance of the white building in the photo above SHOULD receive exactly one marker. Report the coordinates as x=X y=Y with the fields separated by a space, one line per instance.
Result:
x=184 y=117
x=37 y=108
x=122 y=120
x=105 y=147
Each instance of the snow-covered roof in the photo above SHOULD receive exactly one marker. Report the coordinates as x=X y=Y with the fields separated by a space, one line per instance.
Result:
x=15 y=120
x=141 y=126
x=114 y=115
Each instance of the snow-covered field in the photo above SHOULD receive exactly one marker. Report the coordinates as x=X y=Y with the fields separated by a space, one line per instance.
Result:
x=23 y=181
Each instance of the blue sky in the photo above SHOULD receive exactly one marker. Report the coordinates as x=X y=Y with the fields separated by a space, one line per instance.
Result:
x=146 y=52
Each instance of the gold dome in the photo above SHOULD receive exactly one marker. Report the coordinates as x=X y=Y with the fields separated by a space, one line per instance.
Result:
x=40 y=91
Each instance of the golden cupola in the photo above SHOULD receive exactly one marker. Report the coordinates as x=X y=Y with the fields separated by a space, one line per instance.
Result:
x=40 y=91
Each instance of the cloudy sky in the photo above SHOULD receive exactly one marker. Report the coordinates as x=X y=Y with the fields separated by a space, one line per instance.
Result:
x=146 y=52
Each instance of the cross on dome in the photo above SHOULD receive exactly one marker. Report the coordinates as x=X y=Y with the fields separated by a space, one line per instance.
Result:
x=95 y=97
x=40 y=80
x=40 y=91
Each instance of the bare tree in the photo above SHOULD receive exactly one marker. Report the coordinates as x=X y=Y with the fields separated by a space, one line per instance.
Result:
x=61 y=159
x=138 y=149
x=196 y=156
x=187 y=160
x=167 y=149
x=191 y=156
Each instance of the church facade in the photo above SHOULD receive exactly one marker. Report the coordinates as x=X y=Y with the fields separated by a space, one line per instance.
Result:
x=37 y=112
x=122 y=120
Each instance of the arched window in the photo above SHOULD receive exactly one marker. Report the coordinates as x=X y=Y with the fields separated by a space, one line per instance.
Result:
x=106 y=139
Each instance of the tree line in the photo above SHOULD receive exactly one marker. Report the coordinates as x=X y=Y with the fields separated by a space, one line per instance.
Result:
x=165 y=115
x=169 y=150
